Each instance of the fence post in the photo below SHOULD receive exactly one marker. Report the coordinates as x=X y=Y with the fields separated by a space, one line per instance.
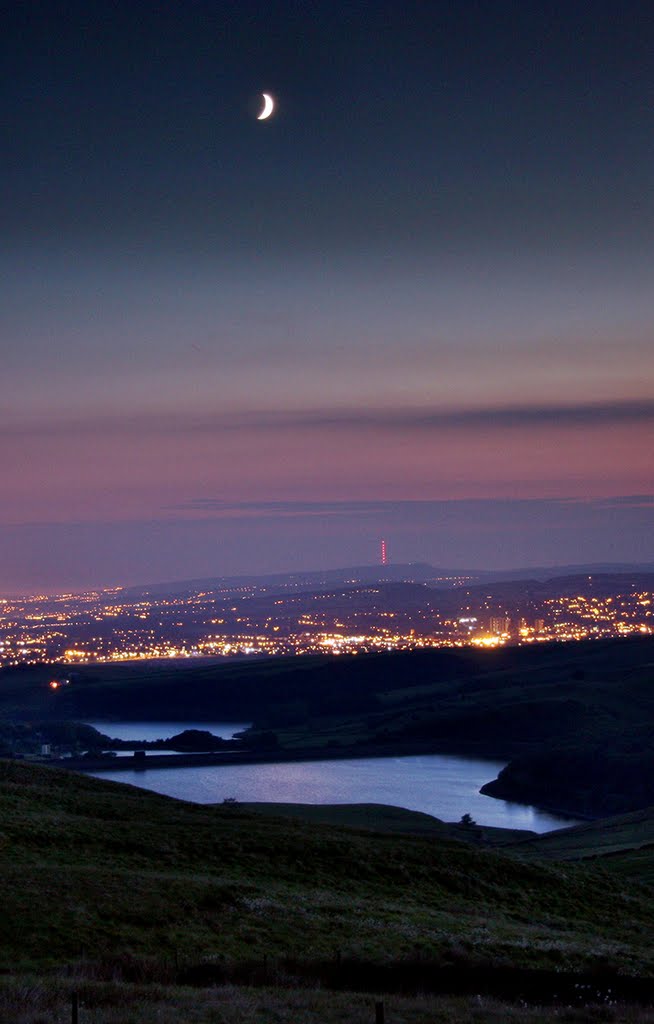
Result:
x=74 y=1009
x=379 y=1013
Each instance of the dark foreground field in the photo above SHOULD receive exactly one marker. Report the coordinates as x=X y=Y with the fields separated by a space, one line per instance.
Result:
x=139 y=902
x=31 y=1000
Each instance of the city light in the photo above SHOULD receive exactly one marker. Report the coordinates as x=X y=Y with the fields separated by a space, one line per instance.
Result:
x=105 y=626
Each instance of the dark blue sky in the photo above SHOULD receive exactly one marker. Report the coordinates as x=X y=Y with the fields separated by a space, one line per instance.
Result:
x=416 y=125
x=428 y=278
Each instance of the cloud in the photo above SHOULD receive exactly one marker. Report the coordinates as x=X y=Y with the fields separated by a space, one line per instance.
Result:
x=290 y=509
x=426 y=510
x=425 y=420
x=584 y=414
x=629 y=501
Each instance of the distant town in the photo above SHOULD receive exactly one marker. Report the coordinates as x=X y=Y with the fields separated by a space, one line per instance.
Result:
x=375 y=609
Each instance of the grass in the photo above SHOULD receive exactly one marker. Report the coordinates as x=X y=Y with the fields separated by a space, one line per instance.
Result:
x=377 y=817
x=125 y=896
x=99 y=867
x=385 y=818
x=31 y=999
x=623 y=846
x=605 y=838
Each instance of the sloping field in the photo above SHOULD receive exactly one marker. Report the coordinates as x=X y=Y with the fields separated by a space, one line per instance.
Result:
x=621 y=845
x=375 y=817
x=91 y=870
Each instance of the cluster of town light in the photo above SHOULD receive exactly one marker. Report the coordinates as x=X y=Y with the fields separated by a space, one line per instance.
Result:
x=110 y=626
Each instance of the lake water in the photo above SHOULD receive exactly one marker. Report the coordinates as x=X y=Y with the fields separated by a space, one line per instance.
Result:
x=440 y=784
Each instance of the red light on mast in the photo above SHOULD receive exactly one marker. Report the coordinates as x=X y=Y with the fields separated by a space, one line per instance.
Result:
x=383 y=552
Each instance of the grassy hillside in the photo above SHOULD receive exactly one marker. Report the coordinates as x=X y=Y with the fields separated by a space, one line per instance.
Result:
x=382 y=692
x=97 y=870
x=374 y=817
x=200 y=690
x=622 y=845
x=507 y=701
x=384 y=818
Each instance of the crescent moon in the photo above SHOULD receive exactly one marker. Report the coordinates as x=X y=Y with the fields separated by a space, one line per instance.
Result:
x=268 y=107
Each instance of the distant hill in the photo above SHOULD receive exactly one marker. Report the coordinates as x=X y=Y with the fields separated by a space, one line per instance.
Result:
x=550 y=572
x=415 y=572
x=412 y=572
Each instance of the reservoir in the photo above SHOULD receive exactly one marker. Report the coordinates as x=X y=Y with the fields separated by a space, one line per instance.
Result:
x=444 y=785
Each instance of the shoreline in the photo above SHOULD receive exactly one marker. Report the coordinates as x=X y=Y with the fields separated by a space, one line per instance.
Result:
x=141 y=760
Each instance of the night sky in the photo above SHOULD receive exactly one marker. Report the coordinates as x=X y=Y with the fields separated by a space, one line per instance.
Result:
x=417 y=302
